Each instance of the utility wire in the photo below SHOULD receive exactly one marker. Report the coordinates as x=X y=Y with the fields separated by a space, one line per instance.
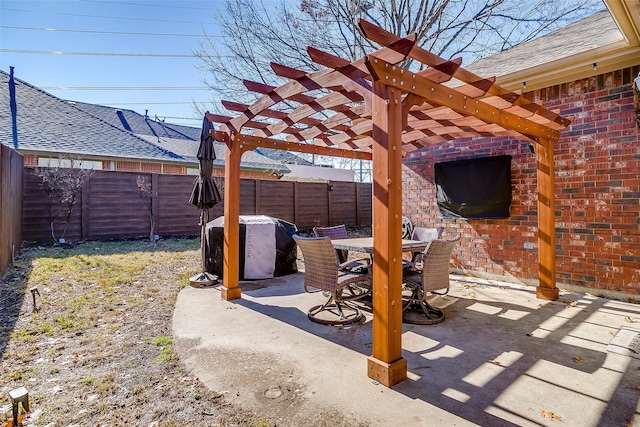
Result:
x=154 y=6
x=124 y=33
x=124 y=87
x=153 y=103
x=107 y=17
x=179 y=118
x=59 y=52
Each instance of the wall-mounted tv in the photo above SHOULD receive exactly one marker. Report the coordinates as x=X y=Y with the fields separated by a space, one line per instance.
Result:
x=474 y=188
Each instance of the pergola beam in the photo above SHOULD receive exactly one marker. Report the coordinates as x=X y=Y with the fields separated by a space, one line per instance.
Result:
x=249 y=142
x=433 y=93
x=270 y=114
x=385 y=38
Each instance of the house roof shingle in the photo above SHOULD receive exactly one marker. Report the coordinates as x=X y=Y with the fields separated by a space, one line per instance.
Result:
x=47 y=124
x=182 y=140
x=137 y=123
x=595 y=30
x=285 y=157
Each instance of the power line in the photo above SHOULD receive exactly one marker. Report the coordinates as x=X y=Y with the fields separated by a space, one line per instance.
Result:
x=125 y=33
x=153 y=103
x=178 y=118
x=106 y=17
x=59 y=52
x=125 y=88
x=155 y=6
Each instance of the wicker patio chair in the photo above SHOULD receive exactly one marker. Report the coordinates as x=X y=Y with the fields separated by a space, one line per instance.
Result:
x=340 y=232
x=424 y=234
x=432 y=278
x=323 y=271
x=335 y=232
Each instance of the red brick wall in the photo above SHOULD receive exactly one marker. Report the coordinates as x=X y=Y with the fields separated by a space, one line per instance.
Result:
x=597 y=188
x=174 y=170
x=30 y=160
x=125 y=166
x=128 y=166
x=151 y=167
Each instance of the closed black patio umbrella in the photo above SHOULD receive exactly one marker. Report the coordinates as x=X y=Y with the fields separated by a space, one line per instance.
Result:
x=204 y=196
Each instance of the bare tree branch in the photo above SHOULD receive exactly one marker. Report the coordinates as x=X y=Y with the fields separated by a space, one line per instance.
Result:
x=62 y=182
x=258 y=32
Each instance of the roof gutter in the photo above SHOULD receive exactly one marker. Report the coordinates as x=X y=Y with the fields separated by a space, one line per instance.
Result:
x=626 y=14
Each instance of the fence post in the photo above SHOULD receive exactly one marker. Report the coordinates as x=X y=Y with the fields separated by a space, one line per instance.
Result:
x=257 y=197
x=329 y=207
x=85 y=210
x=357 y=203
x=155 y=201
x=296 y=209
x=5 y=209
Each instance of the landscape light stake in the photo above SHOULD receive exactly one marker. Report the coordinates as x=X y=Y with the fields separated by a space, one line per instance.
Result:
x=18 y=396
x=34 y=292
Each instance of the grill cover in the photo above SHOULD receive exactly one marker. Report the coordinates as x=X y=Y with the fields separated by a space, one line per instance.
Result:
x=257 y=260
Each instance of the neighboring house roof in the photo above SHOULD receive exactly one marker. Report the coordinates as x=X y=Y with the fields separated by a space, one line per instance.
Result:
x=137 y=123
x=285 y=157
x=566 y=54
x=49 y=125
x=46 y=124
x=250 y=159
x=182 y=140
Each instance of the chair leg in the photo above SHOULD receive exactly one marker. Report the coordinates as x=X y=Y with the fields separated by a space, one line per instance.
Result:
x=415 y=297
x=338 y=313
x=418 y=311
x=432 y=315
x=355 y=291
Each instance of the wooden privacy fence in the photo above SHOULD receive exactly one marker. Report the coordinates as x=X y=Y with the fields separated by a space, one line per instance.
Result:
x=111 y=207
x=11 y=170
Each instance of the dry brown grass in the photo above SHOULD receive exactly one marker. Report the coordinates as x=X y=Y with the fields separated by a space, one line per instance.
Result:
x=98 y=351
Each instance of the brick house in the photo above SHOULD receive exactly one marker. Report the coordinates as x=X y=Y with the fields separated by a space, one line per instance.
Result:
x=585 y=71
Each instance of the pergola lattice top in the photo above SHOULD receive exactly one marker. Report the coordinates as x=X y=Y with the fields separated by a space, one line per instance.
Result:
x=332 y=107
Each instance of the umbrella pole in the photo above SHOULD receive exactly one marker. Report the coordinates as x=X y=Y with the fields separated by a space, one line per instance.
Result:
x=203 y=237
x=204 y=278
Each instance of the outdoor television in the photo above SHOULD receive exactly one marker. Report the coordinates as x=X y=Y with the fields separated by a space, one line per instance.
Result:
x=474 y=188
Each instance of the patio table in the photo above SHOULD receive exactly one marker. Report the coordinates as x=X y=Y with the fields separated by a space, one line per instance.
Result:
x=365 y=244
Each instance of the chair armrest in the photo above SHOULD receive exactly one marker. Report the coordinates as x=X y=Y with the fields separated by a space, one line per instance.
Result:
x=406 y=264
x=354 y=263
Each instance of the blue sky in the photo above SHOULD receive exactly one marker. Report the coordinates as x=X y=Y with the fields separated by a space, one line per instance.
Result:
x=95 y=28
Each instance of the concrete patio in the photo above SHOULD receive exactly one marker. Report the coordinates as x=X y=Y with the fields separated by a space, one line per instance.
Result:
x=501 y=358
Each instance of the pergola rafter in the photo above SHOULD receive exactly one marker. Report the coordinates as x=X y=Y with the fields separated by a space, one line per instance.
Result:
x=374 y=108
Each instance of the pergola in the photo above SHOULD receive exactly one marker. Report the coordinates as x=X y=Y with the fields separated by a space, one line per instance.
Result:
x=375 y=109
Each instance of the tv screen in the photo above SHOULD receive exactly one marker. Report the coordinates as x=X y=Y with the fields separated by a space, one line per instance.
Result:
x=474 y=188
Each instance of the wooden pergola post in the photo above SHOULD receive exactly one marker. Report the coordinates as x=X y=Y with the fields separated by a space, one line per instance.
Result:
x=546 y=221
x=230 y=270
x=386 y=364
